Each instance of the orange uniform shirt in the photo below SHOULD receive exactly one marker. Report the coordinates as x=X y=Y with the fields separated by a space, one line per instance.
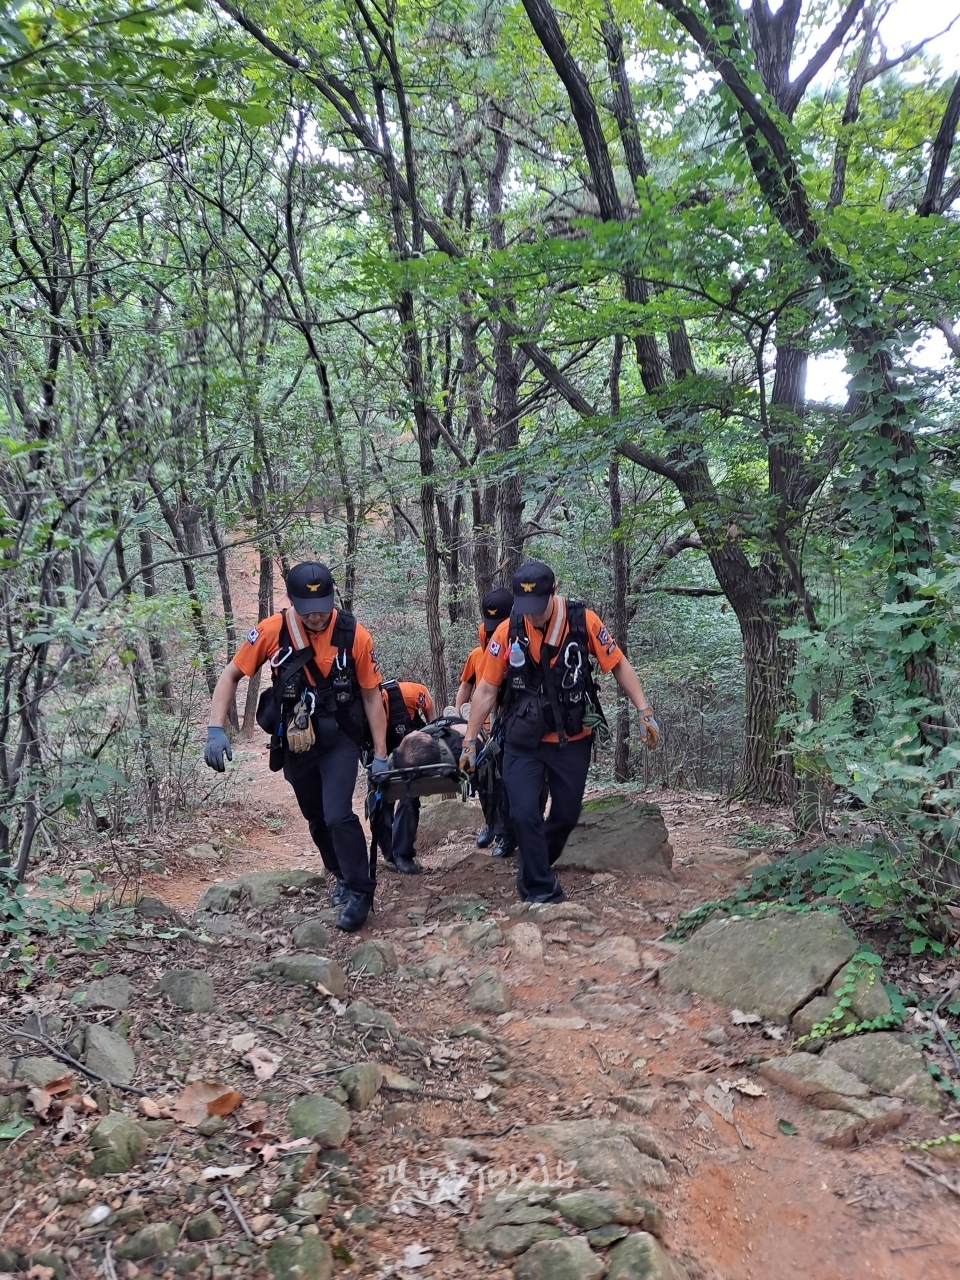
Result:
x=472 y=666
x=600 y=643
x=416 y=698
x=263 y=643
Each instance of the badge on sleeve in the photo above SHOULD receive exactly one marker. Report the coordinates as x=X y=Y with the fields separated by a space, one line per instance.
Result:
x=253 y=635
x=421 y=699
x=375 y=660
x=494 y=647
x=603 y=635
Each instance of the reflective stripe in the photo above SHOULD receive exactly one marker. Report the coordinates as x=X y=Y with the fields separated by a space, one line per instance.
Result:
x=558 y=623
x=293 y=626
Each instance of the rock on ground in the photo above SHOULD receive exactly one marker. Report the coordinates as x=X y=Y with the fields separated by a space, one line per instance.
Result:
x=590 y=1210
x=487 y=993
x=443 y=818
x=150 y=1242
x=639 y=1257
x=300 y=1258
x=112 y=992
x=821 y=1083
x=375 y=957
x=622 y=1153
x=109 y=1055
x=617 y=953
x=38 y=1072
x=771 y=965
x=476 y=934
x=365 y=1015
x=889 y=1064
x=571 y=1259
x=526 y=941
x=869 y=999
x=309 y=934
x=256 y=889
x=189 y=989
x=361 y=1084
x=306 y=969
x=617 y=834
x=319 y=1118
x=814 y=1012
x=865 y=1118
x=119 y=1143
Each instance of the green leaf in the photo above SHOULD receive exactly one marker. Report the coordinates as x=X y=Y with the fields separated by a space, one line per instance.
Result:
x=787 y=1128
x=14 y=1127
x=254 y=114
x=219 y=109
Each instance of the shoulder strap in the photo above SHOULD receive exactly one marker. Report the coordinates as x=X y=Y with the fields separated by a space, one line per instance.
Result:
x=398 y=717
x=577 y=621
x=294 y=660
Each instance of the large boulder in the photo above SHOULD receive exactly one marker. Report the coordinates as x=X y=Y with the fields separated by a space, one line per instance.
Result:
x=889 y=1064
x=571 y=1259
x=446 y=818
x=620 y=834
x=621 y=1153
x=771 y=965
x=256 y=889
x=639 y=1257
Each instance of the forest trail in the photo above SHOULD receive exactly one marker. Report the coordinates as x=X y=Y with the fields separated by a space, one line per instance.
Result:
x=584 y=1027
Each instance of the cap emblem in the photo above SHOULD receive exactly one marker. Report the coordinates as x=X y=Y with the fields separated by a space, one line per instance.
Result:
x=528 y=586
x=313 y=586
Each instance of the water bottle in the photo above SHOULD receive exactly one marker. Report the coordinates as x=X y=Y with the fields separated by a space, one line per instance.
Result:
x=516 y=655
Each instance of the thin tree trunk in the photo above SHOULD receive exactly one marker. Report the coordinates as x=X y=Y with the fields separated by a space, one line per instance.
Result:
x=621 y=579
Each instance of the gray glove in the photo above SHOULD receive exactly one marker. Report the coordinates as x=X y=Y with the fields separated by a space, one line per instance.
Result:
x=378 y=766
x=216 y=747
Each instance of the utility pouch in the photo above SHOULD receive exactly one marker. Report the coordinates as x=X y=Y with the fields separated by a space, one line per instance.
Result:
x=268 y=714
x=276 y=753
x=524 y=724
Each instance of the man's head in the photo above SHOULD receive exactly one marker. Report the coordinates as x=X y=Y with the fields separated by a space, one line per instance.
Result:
x=416 y=749
x=534 y=584
x=495 y=608
x=310 y=588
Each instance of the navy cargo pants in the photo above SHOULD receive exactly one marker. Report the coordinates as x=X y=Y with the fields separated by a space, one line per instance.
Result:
x=541 y=841
x=323 y=782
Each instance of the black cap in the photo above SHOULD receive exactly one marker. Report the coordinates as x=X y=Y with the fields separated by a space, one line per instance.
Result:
x=495 y=607
x=310 y=588
x=533 y=585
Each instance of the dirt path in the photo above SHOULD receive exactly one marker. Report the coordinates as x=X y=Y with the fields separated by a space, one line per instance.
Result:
x=754 y=1204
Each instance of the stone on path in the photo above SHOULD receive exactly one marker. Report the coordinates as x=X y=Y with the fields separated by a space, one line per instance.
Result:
x=119 y=1142
x=624 y=1154
x=150 y=1242
x=551 y=912
x=570 y=1259
x=526 y=941
x=864 y=1119
x=362 y=1014
x=869 y=998
x=38 y=1072
x=112 y=992
x=771 y=965
x=204 y=851
x=619 y=834
x=889 y=1064
x=361 y=1084
x=639 y=1257
x=487 y=993
x=475 y=934
x=205 y=1226
x=306 y=969
x=189 y=989
x=109 y=1055
x=618 y=953
x=510 y=1241
x=822 y=1083
x=375 y=957
x=309 y=934
x=591 y=1209
x=319 y=1118
x=256 y=889
x=300 y=1258
x=816 y=1012
x=443 y=818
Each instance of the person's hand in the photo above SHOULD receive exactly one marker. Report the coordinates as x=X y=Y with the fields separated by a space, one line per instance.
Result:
x=216 y=747
x=649 y=729
x=378 y=765
x=468 y=756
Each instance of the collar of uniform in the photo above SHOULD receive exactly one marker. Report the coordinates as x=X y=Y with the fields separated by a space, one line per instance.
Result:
x=300 y=637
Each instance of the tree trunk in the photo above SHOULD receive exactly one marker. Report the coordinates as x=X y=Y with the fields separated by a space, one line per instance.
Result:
x=264 y=610
x=766 y=772
x=621 y=580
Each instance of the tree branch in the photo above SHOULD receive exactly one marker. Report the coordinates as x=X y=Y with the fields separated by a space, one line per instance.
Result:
x=940 y=156
x=823 y=55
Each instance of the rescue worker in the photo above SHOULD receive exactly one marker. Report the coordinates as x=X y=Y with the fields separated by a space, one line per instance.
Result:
x=495 y=608
x=537 y=665
x=408 y=707
x=324 y=707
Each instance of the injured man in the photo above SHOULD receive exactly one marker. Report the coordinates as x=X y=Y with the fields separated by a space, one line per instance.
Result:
x=438 y=744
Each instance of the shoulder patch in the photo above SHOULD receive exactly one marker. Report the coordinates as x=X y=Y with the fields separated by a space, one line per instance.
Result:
x=603 y=635
x=494 y=649
x=253 y=635
x=421 y=699
x=374 y=659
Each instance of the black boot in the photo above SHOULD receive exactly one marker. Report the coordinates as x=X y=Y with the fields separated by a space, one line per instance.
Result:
x=502 y=847
x=485 y=838
x=338 y=894
x=407 y=867
x=354 y=911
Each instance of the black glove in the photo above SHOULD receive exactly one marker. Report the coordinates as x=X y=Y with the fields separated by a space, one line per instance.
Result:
x=216 y=747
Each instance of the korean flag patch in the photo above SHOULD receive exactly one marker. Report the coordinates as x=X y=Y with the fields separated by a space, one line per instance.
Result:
x=494 y=647
x=253 y=635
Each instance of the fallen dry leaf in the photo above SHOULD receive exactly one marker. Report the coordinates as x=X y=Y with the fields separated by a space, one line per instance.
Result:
x=205 y=1098
x=415 y=1255
x=64 y=1084
x=748 y=1087
x=41 y=1102
x=268 y=1152
x=264 y=1062
x=241 y=1043
x=69 y=1123
x=741 y=1019
x=88 y=1103
x=483 y=1091
x=771 y=1032
x=214 y=1171
x=254 y=1114
x=148 y=1108
x=720 y=1102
